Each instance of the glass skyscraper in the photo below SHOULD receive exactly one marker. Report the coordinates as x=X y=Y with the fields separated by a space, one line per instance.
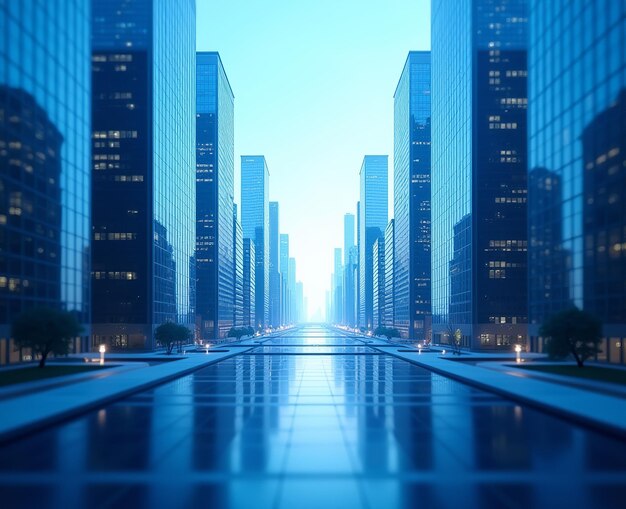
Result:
x=479 y=189
x=372 y=224
x=411 y=192
x=349 y=261
x=144 y=168
x=577 y=165
x=284 y=278
x=255 y=223
x=378 y=265
x=44 y=163
x=274 y=265
x=388 y=318
x=237 y=269
x=249 y=282
x=215 y=189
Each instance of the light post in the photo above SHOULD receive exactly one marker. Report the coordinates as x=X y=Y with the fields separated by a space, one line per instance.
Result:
x=102 y=349
x=518 y=353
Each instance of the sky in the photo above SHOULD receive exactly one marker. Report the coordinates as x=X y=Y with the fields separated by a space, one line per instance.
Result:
x=313 y=83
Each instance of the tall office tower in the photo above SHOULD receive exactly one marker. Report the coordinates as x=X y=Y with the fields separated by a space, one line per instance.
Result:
x=347 y=317
x=337 y=286
x=358 y=319
x=372 y=224
x=378 y=264
x=479 y=145
x=237 y=270
x=274 y=267
x=255 y=222
x=144 y=168
x=44 y=163
x=284 y=278
x=411 y=197
x=389 y=316
x=291 y=271
x=249 y=282
x=215 y=174
x=577 y=166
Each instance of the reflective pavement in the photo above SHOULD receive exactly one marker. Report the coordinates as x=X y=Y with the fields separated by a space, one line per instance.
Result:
x=299 y=423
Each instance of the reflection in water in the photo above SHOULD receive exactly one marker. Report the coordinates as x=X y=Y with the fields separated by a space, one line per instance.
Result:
x=351 y=430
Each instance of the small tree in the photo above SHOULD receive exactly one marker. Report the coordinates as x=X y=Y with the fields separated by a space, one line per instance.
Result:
x=454 y=338
x=388 y=332
x=45 y=331
x=169 y=334
x=572 y=331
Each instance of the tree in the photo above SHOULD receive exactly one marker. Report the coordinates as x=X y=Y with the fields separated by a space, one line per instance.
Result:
x=572 y=331
x=45 y=331
x=170 y=334
x=454 y=338
x=387 y=331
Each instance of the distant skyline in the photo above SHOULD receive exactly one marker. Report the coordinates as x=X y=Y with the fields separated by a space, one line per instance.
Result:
x=313 y=85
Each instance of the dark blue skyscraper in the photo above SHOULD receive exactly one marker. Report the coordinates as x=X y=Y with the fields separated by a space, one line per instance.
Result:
x=577 y=165
x=44 y=162
x=274 y=265
x=372 y=224
x=255 y=223
x=215 y=173
x=411 y=192
x=144 y=168
x=479 y=238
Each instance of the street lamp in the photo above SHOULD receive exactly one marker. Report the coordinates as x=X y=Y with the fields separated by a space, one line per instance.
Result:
x=518 y=353
x=102 y=349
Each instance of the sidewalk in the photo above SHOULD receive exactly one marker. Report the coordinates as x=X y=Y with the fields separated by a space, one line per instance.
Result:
x=584 y=405
x=23 y=415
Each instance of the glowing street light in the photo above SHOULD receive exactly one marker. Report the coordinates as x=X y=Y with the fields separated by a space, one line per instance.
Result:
x=102 y=349
x=518 y=353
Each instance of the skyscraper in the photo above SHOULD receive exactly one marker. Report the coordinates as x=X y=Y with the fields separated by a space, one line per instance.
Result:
x=44 y=164
x=284 y=277
x=249 y=281
x=479 y=241
x=215 y=173
x=349 y=261
x=411 y=162
x=292 y=290
x=372 y=224
x=237 y=269
x=274 y=265
x=378 y=264
x=255 y=222
x=389 y=315
x=577 y=166
x=144 y=162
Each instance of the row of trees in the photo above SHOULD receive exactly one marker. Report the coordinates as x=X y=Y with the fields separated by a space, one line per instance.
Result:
x=239 y=332
x=50 y=331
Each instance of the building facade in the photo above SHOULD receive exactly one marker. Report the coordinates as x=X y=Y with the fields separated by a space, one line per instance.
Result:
x=389 y=315
x=249 y=282
x=479 y=185
x=349 y=260
x=45 y=144
x=284 y=279
x=372 y=224
x=215 y=188
x=274 y=265
x=411 y=191
x=378 y=264
x=577 y=166
x=255 y=222
x=237 y=269
x=144 y=165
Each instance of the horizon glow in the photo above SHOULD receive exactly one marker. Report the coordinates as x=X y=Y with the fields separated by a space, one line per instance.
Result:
x=313 y=85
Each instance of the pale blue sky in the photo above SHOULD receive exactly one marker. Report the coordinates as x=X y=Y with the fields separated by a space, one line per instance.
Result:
x=313 y=84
